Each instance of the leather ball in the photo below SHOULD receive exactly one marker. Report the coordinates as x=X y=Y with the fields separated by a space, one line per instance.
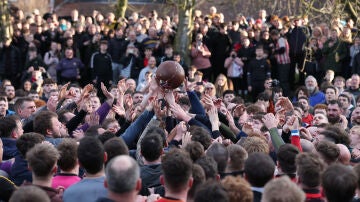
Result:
x=170 y=75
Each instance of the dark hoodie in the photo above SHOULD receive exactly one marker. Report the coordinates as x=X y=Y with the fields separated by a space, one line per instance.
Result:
x=150 y=176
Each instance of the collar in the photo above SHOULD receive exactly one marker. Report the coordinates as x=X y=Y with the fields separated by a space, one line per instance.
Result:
x=258 y=189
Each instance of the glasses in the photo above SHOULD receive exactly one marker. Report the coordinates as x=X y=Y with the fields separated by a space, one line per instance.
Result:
x=209 y=88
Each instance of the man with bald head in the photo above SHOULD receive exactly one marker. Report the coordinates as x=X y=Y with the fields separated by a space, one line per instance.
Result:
x=122 y=179
x=307 y=146
x=345 y=155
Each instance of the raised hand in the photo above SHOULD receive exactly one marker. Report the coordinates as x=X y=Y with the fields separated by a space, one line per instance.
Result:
x=270 y=121
x=214 y=118
x=78 y=134
x=94 y=119
x=106 y=93
x=239 y=110
x=120 y=110
x=179 y=113
x=284 y=103
x=52 y=103
x=63 y=91
x=159 y=113
x=122 y=86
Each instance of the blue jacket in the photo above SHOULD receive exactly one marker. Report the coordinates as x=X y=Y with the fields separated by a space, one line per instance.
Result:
x=317 y=97
x=20 y=171
x=10 y=149
x=134 y=131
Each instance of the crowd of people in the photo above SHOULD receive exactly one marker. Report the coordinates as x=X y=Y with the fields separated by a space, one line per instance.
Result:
x=83 y=118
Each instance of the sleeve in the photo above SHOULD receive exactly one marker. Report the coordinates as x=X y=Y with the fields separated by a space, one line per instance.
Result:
x=102 y=111
x=295 y=139
x=135 y=129
x=196 y=106
x=227 y=133
x=75 y=121
x=276 y=139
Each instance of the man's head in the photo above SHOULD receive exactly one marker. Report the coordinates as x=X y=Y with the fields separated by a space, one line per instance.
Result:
x=10 y=128
x=345 y=100
x=69 y=53
x=304 y=101
x=91 y=155
x=259 y=51
x=137 y=97
x=48 y=85
x=211 y=191
x=339 y=82
x=10 y=92
x=355 y=81
x=238 y=189
x=339 y=183
x=320 y=109
x=259 y=169
x=228 y=95
x=286 y=158
x=177 y=170
x=311 y=83
x=274 y=191
x=309 y=168
x=68 y=155
x=26 y=193
x=115 y=147
x=255 y=144
x=47 y=123
x=201 y=135
x=103 y=46
x=28 y=141
x=334 y=110
x=319 y=119
x=24 y=107
x=220 y=154
x=130 y=84
x=123 y=175
x=328 y=151
x=42 y=160
x=345 y=155
x=152 y=62
x=331 y=93
x=4 y=106
x=355 y=116
x=151 y=147
x=237 y=158
x=209 y=165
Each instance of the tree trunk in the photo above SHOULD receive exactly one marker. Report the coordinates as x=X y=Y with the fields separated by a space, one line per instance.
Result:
x=121 y=8
x=183 y=34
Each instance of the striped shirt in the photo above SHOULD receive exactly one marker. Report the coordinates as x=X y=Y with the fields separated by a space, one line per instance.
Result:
x=283 y=58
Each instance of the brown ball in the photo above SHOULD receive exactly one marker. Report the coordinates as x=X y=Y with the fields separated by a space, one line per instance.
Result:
x=170 y=75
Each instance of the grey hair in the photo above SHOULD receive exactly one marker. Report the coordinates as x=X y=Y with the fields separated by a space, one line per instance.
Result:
x=122 y=174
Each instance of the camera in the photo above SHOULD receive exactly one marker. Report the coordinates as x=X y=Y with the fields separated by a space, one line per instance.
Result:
x=233 y=56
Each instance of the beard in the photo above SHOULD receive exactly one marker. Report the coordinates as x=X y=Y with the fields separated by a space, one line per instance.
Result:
x=355 y=121
x=310 y=88
x=334 y=119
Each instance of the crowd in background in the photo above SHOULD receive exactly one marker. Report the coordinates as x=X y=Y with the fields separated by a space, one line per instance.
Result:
x=268 y=104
